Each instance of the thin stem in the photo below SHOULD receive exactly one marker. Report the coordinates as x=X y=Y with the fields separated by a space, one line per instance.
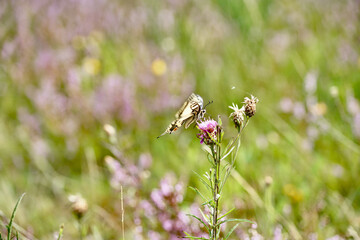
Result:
x=217 y=158
x=237 y=136
x=122 y=212
x=80 y=229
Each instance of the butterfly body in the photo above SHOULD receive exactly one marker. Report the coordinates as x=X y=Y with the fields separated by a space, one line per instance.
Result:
x=191 y=111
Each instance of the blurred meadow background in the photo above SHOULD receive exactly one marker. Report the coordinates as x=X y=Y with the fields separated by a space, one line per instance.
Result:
x=68 y=68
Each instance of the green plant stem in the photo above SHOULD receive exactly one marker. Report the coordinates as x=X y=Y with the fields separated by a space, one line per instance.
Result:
x=216 y=193
x=80 y=229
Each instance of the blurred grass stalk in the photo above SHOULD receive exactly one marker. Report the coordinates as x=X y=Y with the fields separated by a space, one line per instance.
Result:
x=9 y=226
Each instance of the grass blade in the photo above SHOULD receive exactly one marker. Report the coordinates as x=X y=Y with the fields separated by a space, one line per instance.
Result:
x=9 y=226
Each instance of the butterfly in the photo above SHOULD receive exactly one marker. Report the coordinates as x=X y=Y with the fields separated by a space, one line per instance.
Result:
x=191 y=111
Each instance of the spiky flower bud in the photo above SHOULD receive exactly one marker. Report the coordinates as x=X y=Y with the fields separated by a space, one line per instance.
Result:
x=250 y=106
x=237 y=115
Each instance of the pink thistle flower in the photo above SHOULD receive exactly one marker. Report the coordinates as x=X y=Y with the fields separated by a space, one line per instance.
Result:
x=208 y=131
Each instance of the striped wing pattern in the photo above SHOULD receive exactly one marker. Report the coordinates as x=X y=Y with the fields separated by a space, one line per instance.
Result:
x=187 y=114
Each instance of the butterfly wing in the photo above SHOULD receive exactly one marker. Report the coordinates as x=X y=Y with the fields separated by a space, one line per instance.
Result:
x=185 y=106
x=174 y=125
x=187 y=114
x=189 y=121
x=191 y=111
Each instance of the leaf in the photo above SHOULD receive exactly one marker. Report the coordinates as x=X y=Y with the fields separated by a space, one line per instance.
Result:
x=211 y=161
x=219 y=121
x=231 y=231
x=226 y=176
x=206 y=149
x=9 y=226
x=191 y=215
x=226 y=214
x=189 y=236
x=235 y=220
x=203 y=181
x=197 y=191
x=207 y=219
x=227 y=154
x=218 y=233
x=207 y=202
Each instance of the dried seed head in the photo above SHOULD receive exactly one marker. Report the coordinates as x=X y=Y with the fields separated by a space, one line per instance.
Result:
x=237 y=115
x=110 y=130
x=79 y=205
x=250 y=106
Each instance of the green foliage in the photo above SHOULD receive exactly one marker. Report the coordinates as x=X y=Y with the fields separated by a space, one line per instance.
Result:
x=9 y=226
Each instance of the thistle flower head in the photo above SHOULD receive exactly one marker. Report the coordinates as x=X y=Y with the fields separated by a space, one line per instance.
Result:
x=237 y=115
x=208 y=130
x=250 y=106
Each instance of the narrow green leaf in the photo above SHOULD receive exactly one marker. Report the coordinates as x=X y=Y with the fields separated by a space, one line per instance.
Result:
x=207 y=219
x=207 y=202
x=227 y=154
x=218 y=233
x=191 y=215
x=235 y=220
x=189 y=236
x=221 y=135
x=231 y=231
x=226 y=176
x=211 y=161
x=226 y=214
x=206 y=148
x=203 y=181
x=219 y=121
x=197 y=191
x=9 y=226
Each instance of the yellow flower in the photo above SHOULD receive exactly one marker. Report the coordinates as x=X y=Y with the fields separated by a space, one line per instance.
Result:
x=91 y=65
x=158 y=67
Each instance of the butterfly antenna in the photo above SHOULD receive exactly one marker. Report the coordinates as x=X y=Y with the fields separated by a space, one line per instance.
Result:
x=210 y=102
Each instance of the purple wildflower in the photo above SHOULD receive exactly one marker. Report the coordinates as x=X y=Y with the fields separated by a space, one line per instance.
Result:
x=208 y=131
x=164 y=209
